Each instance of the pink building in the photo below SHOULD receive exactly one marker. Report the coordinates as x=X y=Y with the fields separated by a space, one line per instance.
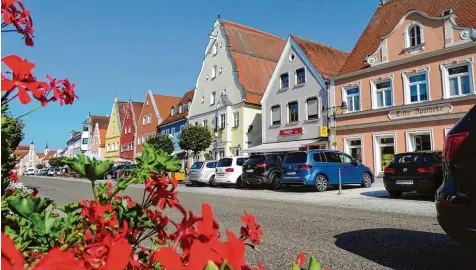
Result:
x=408 y=80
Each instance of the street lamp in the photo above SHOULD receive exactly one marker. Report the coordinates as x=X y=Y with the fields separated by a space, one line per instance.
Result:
x=330 y=113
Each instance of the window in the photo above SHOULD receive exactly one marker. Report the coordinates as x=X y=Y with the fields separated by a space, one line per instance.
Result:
x=203 y=99
x=384 y=149
x=276 y=115
x=144 y=120
x=284 y=80
x=172 y=110
x=172 y=131
x=130 y=129
x=180 y=108
x=144 y=139
x=215 y=48
x=300 y=76
x=205 y=123
x=414 y=35
x=312 y=108
x=418 y=86
x=212 y=98
x=214 y=71
x=345 y=159
x=222 y=121
x=85 y=140
x=127 y=115
x=459 y=82
x=352 y=96
x=236 y=119
x=383 y=94
x=107 y=147
x=332 y=157
x=147 y=102
x=240 y=161
x=353 y=147
x=189 y=104
x=319 y=157
x=196 y=123
x=117 y=146
x=138 y=141
x=85 y=128
x=419 y=140
x=149 y=119
x=293 y=111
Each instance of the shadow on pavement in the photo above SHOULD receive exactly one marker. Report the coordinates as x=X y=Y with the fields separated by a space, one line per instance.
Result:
x=405 y=196
x=304 y=189
x=404 y=249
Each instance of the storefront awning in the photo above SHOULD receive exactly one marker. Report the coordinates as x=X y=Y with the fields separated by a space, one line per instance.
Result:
x=281 y=146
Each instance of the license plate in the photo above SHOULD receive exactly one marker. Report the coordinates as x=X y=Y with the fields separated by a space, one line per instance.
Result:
x=291 y=173
x=404 y=182
x=250 y=170
x=221 y=174
x=193 y=172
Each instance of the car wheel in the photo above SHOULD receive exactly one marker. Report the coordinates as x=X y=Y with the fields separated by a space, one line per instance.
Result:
x=240 y=183
x=275 y=182
x=366 y=180
x=321 y=183
x=394 y=193
x=108 y=177
x=212 y=181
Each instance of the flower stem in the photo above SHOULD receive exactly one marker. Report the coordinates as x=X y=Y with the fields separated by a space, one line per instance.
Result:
x=94 y=190
x=34 y=109
x=5 y=101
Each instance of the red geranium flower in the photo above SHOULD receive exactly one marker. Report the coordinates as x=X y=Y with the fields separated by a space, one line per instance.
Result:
x=251 y=230
x=10 y=255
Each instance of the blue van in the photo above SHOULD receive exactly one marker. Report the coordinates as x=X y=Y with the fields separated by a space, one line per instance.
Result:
x=319 y=168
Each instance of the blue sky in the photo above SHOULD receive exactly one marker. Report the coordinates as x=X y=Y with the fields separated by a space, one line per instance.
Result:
x=124 y=48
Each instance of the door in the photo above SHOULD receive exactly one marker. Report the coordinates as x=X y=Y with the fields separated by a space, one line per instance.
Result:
x=350 y=171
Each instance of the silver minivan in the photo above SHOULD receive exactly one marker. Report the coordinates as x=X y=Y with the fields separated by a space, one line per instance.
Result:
x=203 y=172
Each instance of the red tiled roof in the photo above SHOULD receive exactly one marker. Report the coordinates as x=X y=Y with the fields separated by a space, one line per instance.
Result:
x=184 y=100
x=20 y=154
x=164 y=103
x=327 y=60
x=137 y=108
x=387 y=17
x=50 y=154
x=102 y=122
x=255 y=54
x=40 y=155
x=23 y=148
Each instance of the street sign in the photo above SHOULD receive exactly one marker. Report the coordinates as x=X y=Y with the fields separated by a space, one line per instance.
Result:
x=323 y=132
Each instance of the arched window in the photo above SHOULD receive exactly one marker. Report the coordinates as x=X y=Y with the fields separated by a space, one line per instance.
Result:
x=415 y=35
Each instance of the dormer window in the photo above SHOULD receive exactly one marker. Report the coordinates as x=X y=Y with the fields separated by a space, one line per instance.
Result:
x=180 y=108
x=172 y=110
x=415 y=35
x=189 y=104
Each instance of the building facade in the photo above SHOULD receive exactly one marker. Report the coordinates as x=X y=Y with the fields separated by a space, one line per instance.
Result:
x=409 y=79
x=129 y=130
x=73 y=145
x=88 y=127
x=113 y=134
x=155 y=110
x=291 y=106
x=236 y=69
x=98 y=138
x=177 y=120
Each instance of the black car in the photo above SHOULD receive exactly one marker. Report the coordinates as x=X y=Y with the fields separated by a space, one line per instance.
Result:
x=125 y=171
x=413 y=171
x=263 y=169
x=112 y=173
x=456 y=198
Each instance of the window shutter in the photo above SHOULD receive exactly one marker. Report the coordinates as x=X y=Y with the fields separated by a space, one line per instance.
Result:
x=312 y=106
x=276 y=113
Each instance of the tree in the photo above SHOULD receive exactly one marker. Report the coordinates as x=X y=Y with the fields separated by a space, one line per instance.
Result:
x=39 y=166
x=162 y=142
x=195 y=138
x=57 y=162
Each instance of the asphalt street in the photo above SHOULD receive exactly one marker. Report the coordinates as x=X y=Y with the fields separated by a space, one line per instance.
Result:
x=340 y=237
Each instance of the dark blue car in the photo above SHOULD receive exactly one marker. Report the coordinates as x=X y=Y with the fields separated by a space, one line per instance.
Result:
x=319 y=168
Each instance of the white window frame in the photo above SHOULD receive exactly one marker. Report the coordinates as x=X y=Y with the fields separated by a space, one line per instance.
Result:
x=410 y=133
x=406 y=85
x=296 y=76
x=318 y=108
x=213 y=97
x=236 y=119
x=373 y=85
x=189 y=104
x=222 y=121
x=375 y=138
x=407 y=35
x=287 y=111
x=138 y=140
x=214 y=72
x=172 y=110
x=149 y=119
x=344 y=96
x=446 y=77
x=271 y=113
x=144 y=120
x=446 y=130
x=180 y=108
x=347 y=146
x=172 y=130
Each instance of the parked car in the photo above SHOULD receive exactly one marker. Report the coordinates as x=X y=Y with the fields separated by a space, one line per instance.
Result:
x=456 y=198
x=414 y=171
x=125 y=171
x=29 y=171
x=44 y=172
x=51 y=171
x=112 y=173
x=203 y=172
x=319 y=168
x=263 y=169
x=57 y=171
x=228 y=171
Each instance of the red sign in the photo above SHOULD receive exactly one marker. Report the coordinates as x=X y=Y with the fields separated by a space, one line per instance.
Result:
x=291 y=131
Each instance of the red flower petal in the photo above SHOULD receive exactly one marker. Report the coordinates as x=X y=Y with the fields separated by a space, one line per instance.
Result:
x=58 y=259
x=10 y=255
x=168 y=258
x=300 y=259
x=119 y=255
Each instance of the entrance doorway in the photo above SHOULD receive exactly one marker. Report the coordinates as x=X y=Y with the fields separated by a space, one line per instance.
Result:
x=384 y=150
x=419 y=141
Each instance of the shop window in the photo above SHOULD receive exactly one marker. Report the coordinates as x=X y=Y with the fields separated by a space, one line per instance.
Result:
x=353 y=147
x=384 y=151
x=419 y=141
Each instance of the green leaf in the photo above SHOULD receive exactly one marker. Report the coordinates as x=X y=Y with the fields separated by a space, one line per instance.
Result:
x=314 y=264
x=69 y=207
x=43 y=222
x=211 y=266
x=28 y=205
x=295 y=266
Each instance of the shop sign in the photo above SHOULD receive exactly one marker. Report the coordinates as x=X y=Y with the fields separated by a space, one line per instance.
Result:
x=291 y=131
x=323 y=132
x=420 y=111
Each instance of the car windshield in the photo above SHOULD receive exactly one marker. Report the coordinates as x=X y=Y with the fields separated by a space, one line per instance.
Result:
x=225 y=162
x=57 y=169
x=256 y=159
x=196 y=165
x=211 y=165
x=416 y=158
x=298 y=157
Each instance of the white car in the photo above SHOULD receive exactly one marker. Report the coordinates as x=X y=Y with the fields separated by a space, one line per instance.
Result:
x=228 y=171
x=30 y=171
x=202 y=172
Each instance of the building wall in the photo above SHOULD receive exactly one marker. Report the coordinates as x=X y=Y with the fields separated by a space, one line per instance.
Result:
x=281 y=96
x=113 y=133
x=145 y=129
x=174 y=129
x=127 y=140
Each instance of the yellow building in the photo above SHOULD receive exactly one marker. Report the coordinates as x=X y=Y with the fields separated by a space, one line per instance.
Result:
x=113 y=134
